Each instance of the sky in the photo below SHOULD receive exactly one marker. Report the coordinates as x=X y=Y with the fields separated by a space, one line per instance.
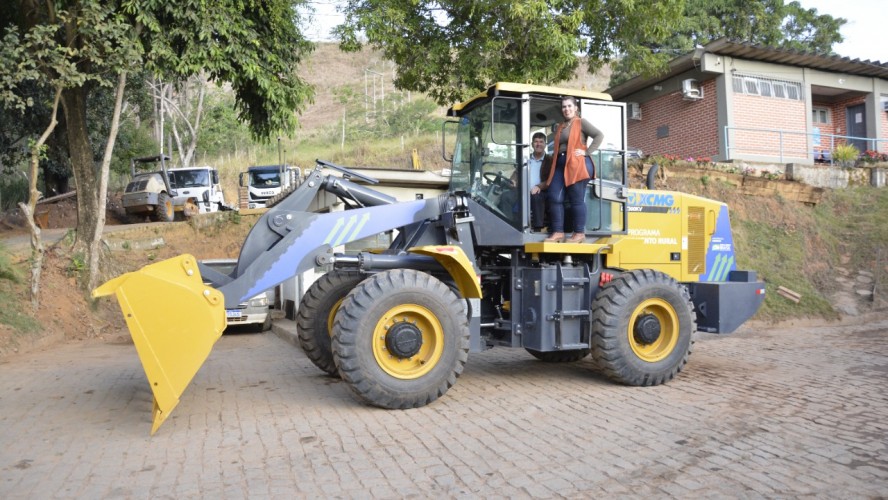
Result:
x=867 y=22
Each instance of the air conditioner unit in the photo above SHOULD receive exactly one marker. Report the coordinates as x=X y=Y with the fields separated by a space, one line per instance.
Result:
x=633 y=109
x=691 y=89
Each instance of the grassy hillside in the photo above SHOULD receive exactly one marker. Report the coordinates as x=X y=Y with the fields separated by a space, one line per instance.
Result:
x=818 y=251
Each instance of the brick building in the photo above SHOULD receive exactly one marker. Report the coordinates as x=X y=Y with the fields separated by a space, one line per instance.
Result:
x=737 y=101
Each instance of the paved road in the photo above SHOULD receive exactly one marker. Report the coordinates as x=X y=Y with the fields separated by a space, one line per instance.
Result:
x=762 y=413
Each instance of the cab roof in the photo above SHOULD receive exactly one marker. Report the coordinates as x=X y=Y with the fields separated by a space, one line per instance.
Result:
x=507 y=88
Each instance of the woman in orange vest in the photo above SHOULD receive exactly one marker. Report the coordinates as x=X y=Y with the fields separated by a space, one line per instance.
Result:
x=573 y=169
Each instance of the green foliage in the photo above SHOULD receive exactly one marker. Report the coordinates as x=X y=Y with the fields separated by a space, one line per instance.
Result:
x=255 y=46
x=234 y=217
x=222 y=131
x=763 y=22
x=10 y=293
x=132 y=142
x=845 y=154
x=452 y=49
x=13 y=190
x=77 y=266
x=8 y=272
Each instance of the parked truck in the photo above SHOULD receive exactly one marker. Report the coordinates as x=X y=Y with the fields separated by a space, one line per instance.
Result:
x=198 y=190
x=265 y=182
x=462 y=274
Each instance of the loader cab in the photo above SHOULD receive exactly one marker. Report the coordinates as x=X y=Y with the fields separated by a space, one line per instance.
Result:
x=489 y=147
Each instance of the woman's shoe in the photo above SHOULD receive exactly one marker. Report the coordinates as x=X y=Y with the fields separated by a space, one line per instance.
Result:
x=554 y=238
x=576 y=238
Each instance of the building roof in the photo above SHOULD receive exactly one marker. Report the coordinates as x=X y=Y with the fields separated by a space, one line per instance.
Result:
x=754 y=52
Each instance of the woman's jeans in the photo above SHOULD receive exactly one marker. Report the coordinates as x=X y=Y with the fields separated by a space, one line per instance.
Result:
x=558 y=193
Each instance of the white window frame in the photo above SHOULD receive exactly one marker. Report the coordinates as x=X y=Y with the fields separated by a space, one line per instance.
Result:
x=767 y=87
x=816 y=111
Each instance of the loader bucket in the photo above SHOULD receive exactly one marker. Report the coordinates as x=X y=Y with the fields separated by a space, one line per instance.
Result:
x=174 y=320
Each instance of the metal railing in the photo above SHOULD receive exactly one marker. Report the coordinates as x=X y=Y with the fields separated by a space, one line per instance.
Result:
x=818 y=145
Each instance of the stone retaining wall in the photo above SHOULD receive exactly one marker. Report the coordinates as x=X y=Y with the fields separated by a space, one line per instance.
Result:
x=835 y=177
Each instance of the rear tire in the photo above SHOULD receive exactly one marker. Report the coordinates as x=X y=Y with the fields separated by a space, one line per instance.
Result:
x=316 y=312
x=164 y=211
x=401 y=339
x=642 y=328
x=570 y=356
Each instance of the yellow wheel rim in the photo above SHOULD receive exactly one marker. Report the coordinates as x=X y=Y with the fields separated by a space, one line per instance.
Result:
x=332 y=315
x=416 y=317
x=660 y=348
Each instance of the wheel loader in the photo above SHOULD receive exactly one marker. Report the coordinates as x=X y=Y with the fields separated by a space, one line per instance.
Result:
x=464 y=272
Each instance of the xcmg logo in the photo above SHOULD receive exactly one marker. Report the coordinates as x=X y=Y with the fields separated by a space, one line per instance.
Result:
x=651 y=199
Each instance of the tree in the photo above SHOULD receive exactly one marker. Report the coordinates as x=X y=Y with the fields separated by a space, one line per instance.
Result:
x=254 y=45
x=451 y=49
x=764 y=22
x=37 y=58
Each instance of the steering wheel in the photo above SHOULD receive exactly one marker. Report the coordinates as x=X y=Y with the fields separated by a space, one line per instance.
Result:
x=497 y=179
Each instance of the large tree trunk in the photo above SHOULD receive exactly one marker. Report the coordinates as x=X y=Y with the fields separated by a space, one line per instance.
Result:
x=86 y=170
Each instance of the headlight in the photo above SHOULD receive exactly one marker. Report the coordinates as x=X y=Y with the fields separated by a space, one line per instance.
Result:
x=259 y=302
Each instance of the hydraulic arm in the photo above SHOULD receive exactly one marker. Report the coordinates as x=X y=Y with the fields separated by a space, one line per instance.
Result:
x=167 y=304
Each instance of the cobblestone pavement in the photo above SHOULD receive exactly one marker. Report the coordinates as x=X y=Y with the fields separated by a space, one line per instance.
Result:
x=763 y=413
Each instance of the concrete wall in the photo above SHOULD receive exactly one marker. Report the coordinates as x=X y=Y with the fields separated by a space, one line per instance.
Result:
x=832 y=177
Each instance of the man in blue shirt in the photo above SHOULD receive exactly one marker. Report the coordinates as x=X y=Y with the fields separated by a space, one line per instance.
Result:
x=539 y=163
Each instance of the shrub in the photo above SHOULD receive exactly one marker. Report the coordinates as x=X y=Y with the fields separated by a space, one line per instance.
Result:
x=845 y=155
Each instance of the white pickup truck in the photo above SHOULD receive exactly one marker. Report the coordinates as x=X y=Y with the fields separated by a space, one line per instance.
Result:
x=197 y=190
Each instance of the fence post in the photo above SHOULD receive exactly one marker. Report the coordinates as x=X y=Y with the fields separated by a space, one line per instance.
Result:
x=780 y=135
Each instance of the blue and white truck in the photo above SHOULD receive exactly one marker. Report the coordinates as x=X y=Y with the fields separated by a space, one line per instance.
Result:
x=264 y=182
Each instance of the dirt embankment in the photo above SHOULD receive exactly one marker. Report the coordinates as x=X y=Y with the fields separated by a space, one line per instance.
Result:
x=65 y=312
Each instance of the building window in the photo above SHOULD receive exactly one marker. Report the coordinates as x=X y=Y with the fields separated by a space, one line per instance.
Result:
x=820 y=116
x=766 y=87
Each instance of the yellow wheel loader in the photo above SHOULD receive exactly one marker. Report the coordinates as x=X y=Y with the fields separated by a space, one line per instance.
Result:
x=465 y=272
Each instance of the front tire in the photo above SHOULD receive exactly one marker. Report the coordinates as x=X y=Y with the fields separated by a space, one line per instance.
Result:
x=400 y=339
x=316 y=313
x=164 y=211
x=266 y=325
x=642 y=328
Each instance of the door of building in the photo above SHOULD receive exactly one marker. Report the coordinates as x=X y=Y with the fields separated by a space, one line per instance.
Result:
x=856 y=120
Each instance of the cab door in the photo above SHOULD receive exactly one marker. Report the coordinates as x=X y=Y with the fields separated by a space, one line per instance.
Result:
x=607 y=194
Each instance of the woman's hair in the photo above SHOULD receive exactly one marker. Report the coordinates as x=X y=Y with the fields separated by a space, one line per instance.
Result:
x=571 y=99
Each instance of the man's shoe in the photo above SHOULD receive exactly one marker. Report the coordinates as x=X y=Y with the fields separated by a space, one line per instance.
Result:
x=576 y=238
x=554 y=238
